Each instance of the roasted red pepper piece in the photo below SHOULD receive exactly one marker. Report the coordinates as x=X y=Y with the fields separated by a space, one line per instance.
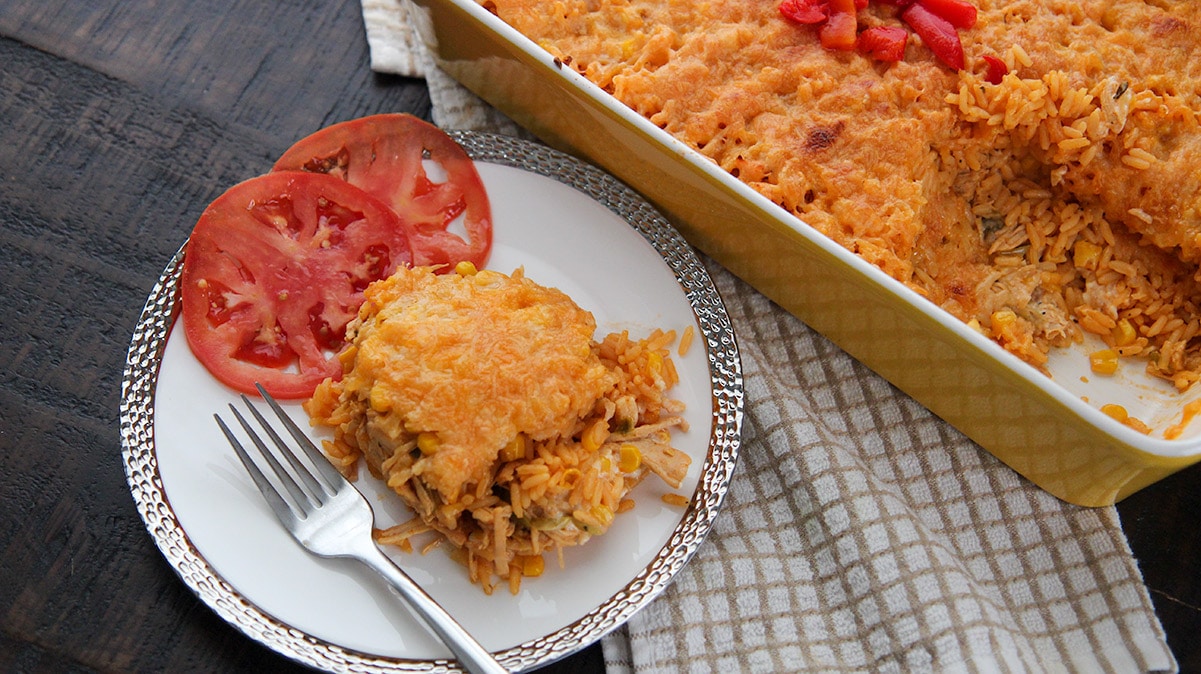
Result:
x=884 y=43
x=995 y=69
x=841 y=28
x=805 y=11
x=938 y=34
x=936 y=21
x=958 y=13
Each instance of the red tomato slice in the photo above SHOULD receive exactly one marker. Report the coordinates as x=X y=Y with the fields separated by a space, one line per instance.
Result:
x=274 y=270
x=383 y=155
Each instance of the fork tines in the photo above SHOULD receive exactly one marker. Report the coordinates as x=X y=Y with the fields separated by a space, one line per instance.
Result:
x=331 y=518
x=320 y=480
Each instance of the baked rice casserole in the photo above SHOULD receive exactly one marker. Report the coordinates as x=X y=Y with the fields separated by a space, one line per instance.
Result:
x=483 y=401
x=1058 y=200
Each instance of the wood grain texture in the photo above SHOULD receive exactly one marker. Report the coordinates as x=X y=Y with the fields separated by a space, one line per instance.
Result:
x=119 y=122
x=1161 y=525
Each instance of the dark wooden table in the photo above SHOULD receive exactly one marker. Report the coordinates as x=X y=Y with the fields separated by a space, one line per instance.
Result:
x=119 y=121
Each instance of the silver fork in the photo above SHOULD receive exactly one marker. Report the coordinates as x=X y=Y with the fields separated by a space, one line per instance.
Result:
x=330 y=518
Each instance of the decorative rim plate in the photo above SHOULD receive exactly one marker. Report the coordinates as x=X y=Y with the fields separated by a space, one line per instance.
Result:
x=569 y=225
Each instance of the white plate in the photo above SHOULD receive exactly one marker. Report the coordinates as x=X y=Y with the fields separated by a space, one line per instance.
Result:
x=570 y=226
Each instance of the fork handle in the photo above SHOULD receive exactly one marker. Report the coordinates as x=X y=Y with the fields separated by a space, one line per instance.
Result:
x=470 y=654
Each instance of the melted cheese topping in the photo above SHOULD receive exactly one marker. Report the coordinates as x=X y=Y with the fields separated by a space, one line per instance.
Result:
x=474 y=360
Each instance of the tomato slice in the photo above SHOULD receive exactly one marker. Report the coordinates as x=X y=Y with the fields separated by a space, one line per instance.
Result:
x=383 y=154
x=274 y=270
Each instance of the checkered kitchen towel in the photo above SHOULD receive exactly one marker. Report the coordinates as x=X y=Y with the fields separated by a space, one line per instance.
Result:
x=860 y=533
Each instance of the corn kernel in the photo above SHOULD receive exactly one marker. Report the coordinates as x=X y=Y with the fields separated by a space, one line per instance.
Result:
x=603 y=514
x=1003 y=319
x=427 y=442
x=465 y=268
x=515 y=449
x=1123 y=333
x=630 y=459
x=595 y=435
x=569 y=477
x=532 y=565
x=1104 y=361
x=379 y=400
x=654 y=363
x=346 y=357
x=594 y=520
x=1116 y=411
x=1086 y=255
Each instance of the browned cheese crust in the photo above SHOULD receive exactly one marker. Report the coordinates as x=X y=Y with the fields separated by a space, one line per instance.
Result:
x=1066 y=199
x=484 y=403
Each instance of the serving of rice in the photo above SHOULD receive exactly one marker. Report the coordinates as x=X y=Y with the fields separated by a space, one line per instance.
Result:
x=1060 y=202
x=484 y=402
